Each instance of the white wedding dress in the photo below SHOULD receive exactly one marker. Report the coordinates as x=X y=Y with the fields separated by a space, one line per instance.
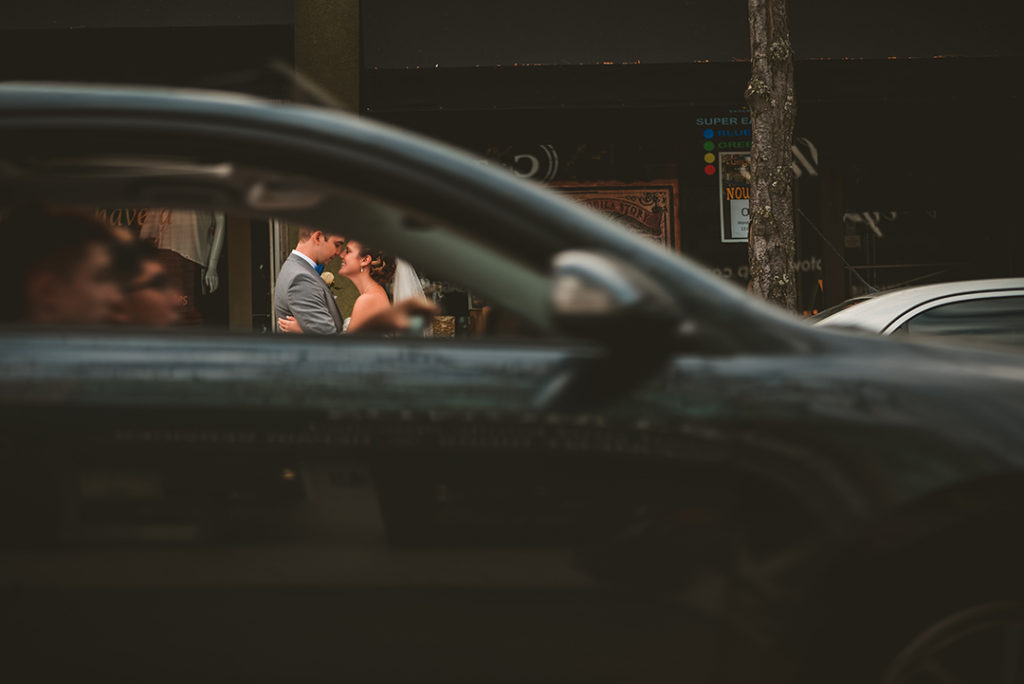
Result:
x=406 y=283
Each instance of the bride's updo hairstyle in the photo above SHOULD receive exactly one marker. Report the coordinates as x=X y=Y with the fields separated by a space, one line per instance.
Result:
x=382 y=265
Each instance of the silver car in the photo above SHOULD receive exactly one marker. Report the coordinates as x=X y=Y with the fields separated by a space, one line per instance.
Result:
x=989 y=311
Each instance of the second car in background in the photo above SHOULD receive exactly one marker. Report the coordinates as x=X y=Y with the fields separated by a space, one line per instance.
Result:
x=986 y=311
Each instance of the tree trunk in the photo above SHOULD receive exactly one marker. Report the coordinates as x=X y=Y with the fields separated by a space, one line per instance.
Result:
x=772 y=239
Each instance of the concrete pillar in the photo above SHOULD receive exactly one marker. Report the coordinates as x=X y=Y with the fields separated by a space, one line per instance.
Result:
x=327 y=46
x=239 y=249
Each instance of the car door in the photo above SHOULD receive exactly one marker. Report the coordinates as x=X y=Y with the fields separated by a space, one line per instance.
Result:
x=234 y=507
x=269 y=508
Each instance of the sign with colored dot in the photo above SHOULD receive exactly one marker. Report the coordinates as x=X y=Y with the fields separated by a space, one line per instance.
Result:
x=729 y=131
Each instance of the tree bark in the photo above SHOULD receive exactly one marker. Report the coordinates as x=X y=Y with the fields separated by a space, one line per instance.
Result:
x=771 y=245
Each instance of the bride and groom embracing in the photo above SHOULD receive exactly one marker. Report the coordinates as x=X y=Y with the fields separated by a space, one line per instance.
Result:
x=305 y=303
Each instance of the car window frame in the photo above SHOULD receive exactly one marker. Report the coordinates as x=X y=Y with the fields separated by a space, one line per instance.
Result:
x=47 y=121
x=924 y=307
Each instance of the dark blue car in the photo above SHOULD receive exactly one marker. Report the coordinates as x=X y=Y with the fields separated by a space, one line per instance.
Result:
x=643 y=474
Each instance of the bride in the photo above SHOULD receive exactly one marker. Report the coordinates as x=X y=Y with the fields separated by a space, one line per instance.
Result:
x=370 y=270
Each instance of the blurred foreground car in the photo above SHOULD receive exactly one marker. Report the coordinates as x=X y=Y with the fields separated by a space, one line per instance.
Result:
x=667 y=480
x=988 y=311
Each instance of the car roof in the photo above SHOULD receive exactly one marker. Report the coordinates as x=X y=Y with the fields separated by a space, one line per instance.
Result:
x=876 y=312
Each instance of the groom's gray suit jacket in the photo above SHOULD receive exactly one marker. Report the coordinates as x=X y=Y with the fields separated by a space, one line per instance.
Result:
x=302 y=293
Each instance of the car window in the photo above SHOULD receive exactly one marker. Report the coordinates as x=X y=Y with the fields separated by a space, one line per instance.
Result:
x=181 y=268
x=218 y=232
x=462 y=309
x=993 y=319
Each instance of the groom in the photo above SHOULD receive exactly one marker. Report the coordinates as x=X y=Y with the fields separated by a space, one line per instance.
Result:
x=301 y=292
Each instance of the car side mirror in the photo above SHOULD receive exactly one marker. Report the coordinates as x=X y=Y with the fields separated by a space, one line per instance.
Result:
x=610 y=301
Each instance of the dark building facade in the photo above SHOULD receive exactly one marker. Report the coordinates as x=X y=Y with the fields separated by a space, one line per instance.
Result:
x=904 y=154
x=906 y=147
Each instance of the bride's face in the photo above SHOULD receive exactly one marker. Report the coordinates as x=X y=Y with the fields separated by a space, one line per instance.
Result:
x=351 y=259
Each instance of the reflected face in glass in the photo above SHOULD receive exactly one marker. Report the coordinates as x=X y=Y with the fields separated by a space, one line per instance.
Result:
x=85 y=294
x=151 y=299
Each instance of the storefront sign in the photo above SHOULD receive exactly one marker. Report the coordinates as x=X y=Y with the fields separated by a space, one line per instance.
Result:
x=649 y=209
x=725 y=152
x=734 y=191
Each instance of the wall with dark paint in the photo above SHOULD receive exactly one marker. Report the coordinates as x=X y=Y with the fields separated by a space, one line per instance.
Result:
x=75 y=14
x=465 y=33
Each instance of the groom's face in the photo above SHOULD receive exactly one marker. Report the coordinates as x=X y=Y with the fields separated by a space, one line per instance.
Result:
x=327 y=247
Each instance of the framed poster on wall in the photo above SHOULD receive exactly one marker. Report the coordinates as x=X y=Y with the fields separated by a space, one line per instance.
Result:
x=734 y=192
x=650 y=208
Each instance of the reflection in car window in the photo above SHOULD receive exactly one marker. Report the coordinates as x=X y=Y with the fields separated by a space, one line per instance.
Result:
x=186 y=268
x=996 y=319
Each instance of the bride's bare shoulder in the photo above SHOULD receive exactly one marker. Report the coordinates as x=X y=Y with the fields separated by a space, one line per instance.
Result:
x=370 y=302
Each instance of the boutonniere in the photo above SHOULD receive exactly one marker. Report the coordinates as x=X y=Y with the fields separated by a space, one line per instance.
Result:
x=328 y=277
